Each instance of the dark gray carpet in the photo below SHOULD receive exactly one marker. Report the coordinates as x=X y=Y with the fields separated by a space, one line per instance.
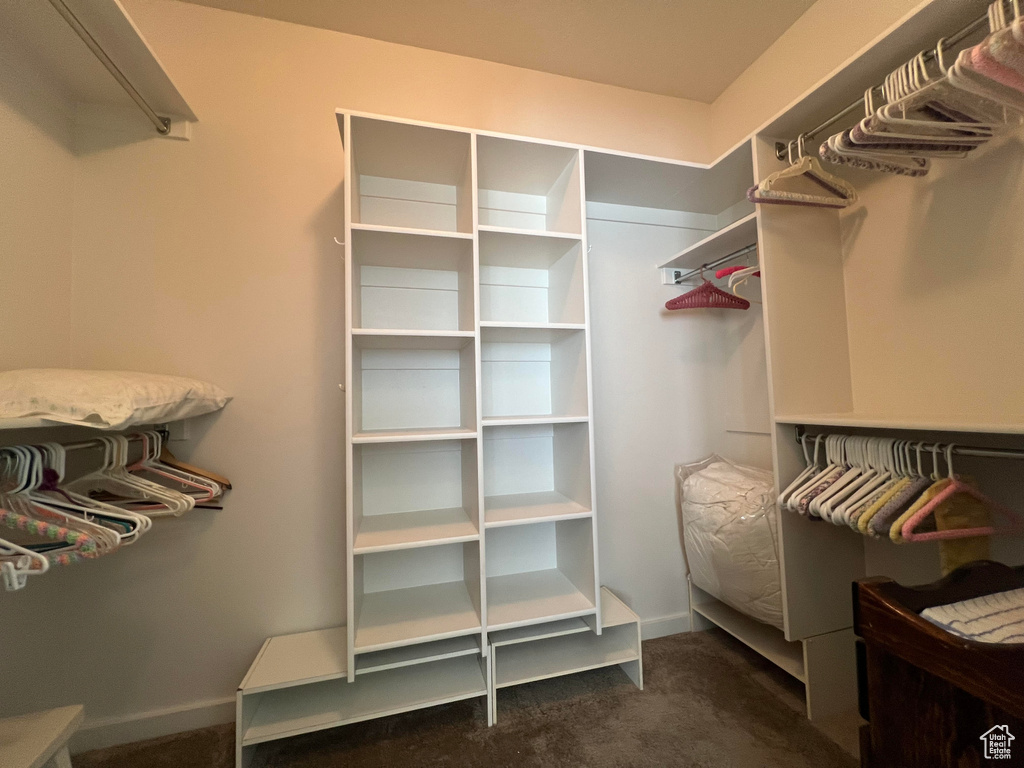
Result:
x=709 y=702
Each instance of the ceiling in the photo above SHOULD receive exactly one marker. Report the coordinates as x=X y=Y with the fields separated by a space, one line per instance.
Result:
x=691 y=49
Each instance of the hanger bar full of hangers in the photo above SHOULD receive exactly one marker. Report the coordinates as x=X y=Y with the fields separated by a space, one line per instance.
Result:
x=948 y=42
x=162 y=124
x=958 y=450
x=716 y=263
x=132 y=438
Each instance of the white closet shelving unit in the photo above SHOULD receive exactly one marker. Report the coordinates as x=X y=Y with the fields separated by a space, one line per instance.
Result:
x=470 y=470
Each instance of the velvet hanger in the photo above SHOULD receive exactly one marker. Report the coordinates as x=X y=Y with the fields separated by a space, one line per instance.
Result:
x=956 y=486
x=707 y=296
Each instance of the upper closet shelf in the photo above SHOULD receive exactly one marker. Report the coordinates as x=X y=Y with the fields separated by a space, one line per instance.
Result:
x=732 y=238
x=48 y=35
x=945 y=423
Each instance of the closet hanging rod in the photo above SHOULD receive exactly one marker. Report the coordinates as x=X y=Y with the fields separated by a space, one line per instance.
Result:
x=958 y=450
x=782 y=150
x=716 y=263
x=132 y=438
x=163 y=124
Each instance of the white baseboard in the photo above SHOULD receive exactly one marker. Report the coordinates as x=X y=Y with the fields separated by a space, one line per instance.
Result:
x=108 y=731
x=664 y=626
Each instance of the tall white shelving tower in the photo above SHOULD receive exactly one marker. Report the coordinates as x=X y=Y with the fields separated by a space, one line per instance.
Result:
x=469 y=452
x=471 y=546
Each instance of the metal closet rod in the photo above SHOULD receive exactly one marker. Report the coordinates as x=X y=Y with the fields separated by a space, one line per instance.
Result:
x=781 y=150
x=163 y=124
x=95 y=443
x=958 y=450
x=716 y=263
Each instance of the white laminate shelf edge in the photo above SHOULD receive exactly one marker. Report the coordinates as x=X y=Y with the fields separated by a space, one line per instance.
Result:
x=293 y=711
x=727 y=240
x=29 y=741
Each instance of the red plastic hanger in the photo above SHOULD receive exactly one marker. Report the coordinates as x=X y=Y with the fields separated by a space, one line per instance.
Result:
x=707 y=296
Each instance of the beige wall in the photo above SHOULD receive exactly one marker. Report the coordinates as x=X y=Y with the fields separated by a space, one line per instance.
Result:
x=215 y=258
x=36 y=189
x=825 y=37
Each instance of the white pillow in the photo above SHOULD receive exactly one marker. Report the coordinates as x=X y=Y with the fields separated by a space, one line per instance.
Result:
x=105 y=399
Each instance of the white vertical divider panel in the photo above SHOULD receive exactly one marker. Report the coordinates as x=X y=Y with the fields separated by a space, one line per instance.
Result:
x=802 y=283
x=482 y=559
x=595 y=620
x=351 y=609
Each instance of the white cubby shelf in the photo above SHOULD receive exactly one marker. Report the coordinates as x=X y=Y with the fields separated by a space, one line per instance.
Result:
x=533 y=372
x=406 y=384
x=416 y=595
x=533 y=279
x=407 y=176
x=540 y=572
x=415 y=494
x=411 y=282
x=536 y=472
x=528 y=186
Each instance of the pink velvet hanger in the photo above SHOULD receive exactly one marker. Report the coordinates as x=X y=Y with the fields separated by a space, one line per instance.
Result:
x=958 y=486
x=726 y=271
x=707 y=296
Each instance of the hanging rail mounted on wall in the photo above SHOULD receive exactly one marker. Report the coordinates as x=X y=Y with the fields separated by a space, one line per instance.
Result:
x=946 y=43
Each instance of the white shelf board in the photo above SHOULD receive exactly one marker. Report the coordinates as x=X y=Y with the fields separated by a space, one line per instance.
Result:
x=533 y=632
x=765 y=639
x=528 y=232
x=306 y=657
x=415 y=614
x=523 y=508
x=925 y=423
x=413 y=231
x=405 y=530
x=511 y=421
x=614 y=612
x=412 y=435
x=528 y=334
x=412 y=333
x=294 y=711
x=62 y=54
x=410 y=655
x=728 y=240
x=429 y=340
x=526 y=662
x=30 y=741
x=535 y=326
x=527 y=598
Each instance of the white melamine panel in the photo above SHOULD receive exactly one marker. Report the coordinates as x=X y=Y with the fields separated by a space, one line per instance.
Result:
x=538 y=572
x=422 y=653
x=527 y=185
x=533 y=372
x=411 y=176
x=412 y=282
x=297 y=659
x=535 y=472
x=416 y=596
x=414 y=494
x=638 y=182
x=407 y=383
x=525 y=662
x=731 y=238
x=530 y=279
x=293 y=711
x=614 y=612
x=527 y=598
x=537 y=631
